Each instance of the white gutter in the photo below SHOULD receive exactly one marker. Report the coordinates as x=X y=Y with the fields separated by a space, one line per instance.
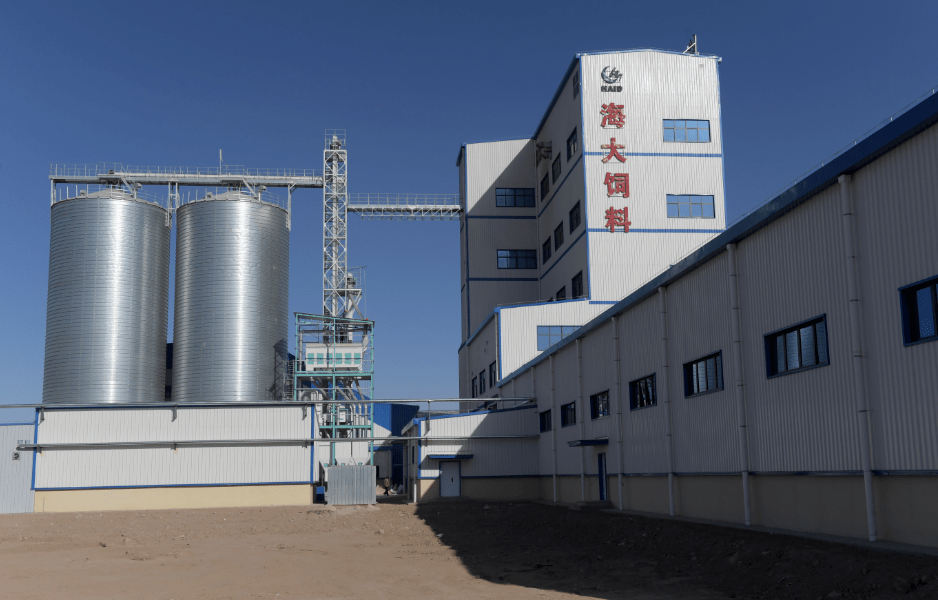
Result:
x=663 y=311
x=741 y=420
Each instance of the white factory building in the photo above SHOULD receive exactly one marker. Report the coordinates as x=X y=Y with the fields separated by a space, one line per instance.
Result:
x=622 y=178
x=778 y=373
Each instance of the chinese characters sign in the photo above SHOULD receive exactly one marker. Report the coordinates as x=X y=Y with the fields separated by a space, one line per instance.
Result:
x=617 y=217
x=612 y=115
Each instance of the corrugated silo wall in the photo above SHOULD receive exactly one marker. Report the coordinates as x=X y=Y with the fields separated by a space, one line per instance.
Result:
x=230 y=333
x=802 y=428
x=108 y=300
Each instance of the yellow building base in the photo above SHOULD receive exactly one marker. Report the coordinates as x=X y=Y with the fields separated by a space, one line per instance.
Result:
x=158 y=498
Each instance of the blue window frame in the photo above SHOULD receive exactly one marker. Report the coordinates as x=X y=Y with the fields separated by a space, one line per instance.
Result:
x=575 y=217
x=568 y=414
x=642 y=392
x=548 y=335
x=558 y=236
x=474 y=388
x=576 y=285
x=514 y=197
x=482 y=382
x=545 y=419
x=571 y=145
x=797 y=348
x=688 y=206
x=686 y=130
x=545 y=252
x=562 y=294
x=919 y=304
x=545 y=186
x=493 y=375
x=555 y=170
x=517 y=259
x=703 y=375
x=599 y=405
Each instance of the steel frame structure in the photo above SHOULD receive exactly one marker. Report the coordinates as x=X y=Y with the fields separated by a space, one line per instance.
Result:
x=341 y=389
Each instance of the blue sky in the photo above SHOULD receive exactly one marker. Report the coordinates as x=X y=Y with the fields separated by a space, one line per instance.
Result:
x=171 y=83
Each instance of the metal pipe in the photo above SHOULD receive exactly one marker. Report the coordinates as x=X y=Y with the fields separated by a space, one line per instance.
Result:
x=553 y=437
x=286 y=404
x=270 y=442
x=741 y=420
x=665 y=374
x=582 y=417
x=856 y=352
x=618 y=391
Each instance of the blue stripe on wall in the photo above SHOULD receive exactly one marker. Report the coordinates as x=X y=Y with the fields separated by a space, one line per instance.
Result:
x=675 y=154
x=503 y=279
x=640 y=230
x=500 y=217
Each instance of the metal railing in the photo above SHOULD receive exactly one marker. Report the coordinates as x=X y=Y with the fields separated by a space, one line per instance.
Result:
x=61 y=171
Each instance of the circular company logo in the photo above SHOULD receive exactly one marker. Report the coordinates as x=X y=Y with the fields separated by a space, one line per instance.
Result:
x=611 y=75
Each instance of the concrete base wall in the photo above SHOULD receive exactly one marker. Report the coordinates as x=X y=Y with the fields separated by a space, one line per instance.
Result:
x=646 y=494
x=714 y=497
x=905 y=509
x=172 y=497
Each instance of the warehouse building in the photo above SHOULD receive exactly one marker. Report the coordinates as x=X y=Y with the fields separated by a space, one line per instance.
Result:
x=782 y=374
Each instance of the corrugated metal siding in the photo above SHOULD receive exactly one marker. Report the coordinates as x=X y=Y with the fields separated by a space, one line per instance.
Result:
x=351 y=485
x=704 y=429
x=894 y=199
x=656 y=86
x=518 y=336
x=599 y=376
x=500 y=458
x=790 y=271
x=165 y=466
x=643 y=431
x=16 y=495
x=483 y=351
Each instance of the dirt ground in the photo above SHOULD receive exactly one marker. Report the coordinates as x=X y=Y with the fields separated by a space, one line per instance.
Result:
x=441 y=550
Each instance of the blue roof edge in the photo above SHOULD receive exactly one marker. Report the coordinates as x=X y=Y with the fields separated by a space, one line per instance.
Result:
x=902 y=128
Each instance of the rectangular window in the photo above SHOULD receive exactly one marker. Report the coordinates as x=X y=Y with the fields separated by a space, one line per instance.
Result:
x=599 y=405
x=517 y=259
x=545 y=187
x=546 y=425
x=492 y=375
x=558 y=237
x=571 y=144
x=562 y=294
x=642 y=393
x=474 y=390
x=548 y=335
x=919 y=303
x=517 y=197
x=555 y=170
x=684 y=130
x=690 y=207
x=575 y=217
x=482 y=382
x=545 y=252
x=576 y=285
x=576 y=84
x=703 y=375
x=168 y=393
x=800 y=347
x=568 y=414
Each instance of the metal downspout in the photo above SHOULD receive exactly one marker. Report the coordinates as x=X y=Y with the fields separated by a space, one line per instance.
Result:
x=582 y=417
x=553 y=437
x=618 y=391
x=741 y=420
x=666 y=392
x=856 y=352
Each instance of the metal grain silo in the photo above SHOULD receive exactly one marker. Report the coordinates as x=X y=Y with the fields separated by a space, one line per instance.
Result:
x=232 y=285
x=108 y=300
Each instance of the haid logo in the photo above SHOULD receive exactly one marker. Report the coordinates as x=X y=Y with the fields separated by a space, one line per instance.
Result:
x=611 y=75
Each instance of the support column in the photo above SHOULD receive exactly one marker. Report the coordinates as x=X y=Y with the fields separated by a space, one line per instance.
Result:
x=618 y=400
x=666 y=391
x=856 y=351
x=554 y=425
x=581 y=416
x=741 y=420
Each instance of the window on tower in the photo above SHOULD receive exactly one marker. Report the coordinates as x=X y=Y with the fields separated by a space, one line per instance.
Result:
x=686 y=130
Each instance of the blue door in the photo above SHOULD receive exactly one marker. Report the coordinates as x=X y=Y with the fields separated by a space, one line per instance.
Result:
x=602 y=476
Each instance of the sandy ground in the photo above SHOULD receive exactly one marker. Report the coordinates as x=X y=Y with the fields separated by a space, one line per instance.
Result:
x=451 y=550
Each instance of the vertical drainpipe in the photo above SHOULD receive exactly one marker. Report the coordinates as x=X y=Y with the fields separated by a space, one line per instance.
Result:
x=666 y=392
x=582 y=414
x=618 y=392
x=553 y=437
x=738 y=370
x=856 y=351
